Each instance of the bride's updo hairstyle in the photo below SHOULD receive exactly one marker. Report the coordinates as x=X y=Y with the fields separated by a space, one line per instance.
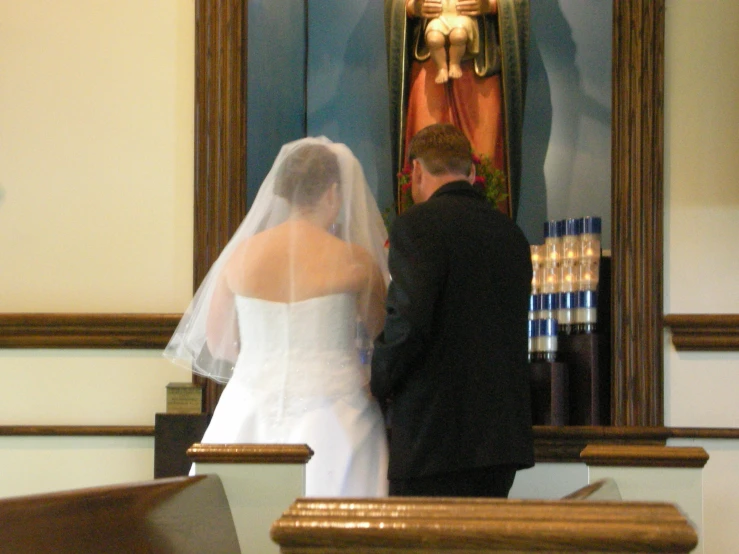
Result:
x=306 y=174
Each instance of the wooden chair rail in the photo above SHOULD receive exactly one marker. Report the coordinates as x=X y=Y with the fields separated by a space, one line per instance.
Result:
x=704 y=332
x=76 y=431
x=552 y=444
x=69 y=330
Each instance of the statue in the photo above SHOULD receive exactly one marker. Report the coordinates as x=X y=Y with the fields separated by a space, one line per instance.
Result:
x=459 y=30
x=485 y=98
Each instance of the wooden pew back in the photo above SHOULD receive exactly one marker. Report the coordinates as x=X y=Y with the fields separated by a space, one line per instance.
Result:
x=175 y=515
x=456 y=525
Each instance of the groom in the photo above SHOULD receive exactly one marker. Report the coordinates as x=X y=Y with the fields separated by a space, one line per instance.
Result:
x=451 y=360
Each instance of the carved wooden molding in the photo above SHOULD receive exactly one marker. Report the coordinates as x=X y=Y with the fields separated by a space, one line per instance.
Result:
x=76 y=431
x=220 y=128
x=637 y=212
x=220 y=139
x=29 y=330
x=481 y=525
x=250 y=453
x=643 y=456
x=714 y=332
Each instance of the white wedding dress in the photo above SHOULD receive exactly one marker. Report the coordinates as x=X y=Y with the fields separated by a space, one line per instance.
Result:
x=299 y=380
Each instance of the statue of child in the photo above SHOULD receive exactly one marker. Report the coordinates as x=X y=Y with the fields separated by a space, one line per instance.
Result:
x=462 y=33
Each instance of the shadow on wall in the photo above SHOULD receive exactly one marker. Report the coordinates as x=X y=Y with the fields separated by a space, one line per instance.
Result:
x=567 y=126
x=275 y=95
x=347 y=85
x=537 y=127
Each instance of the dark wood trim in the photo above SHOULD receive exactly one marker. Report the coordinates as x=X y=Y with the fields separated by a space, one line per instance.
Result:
x=552 y=444
x=76 y=431
x=714 y=332
x=220 y=128
x=637 y=212
x=623 y=455
x=28 y=330
x=564 y=444
x=705 y=433
x=220 y=138
x=250 y=453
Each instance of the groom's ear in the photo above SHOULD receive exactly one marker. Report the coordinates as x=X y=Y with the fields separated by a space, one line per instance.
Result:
x=472 y=175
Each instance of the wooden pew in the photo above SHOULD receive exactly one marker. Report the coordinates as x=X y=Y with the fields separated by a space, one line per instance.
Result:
x=463 y=525
x=168 y=516
x=260 y=480
x=603 y=489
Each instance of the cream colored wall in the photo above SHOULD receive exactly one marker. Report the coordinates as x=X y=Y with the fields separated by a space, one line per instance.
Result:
x=701 y=232
x=96 y=179
x=97 y=155
x=32 y=465
x=702 y=200
x=701 y=163
x=84 y=387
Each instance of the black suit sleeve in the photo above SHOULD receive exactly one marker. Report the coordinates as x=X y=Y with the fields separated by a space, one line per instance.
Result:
x=417 y=263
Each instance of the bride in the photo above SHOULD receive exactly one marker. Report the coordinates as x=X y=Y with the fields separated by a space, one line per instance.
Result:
x=280 y=314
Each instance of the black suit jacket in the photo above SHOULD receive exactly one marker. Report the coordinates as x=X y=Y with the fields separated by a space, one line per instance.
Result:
x=452 y=357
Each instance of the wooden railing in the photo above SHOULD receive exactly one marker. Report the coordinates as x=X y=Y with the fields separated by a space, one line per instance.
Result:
x=447 y=525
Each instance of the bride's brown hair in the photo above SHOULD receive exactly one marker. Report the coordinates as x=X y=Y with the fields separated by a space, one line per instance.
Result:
x=306 y=174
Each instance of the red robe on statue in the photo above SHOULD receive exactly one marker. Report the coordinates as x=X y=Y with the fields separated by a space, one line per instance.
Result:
x=471 y=103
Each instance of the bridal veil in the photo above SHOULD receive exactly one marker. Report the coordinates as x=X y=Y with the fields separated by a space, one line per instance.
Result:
x=359 y=222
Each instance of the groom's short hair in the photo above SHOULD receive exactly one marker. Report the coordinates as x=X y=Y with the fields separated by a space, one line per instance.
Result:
x=441 y=148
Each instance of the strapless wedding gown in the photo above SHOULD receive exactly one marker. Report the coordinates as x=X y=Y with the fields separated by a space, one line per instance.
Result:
x=299 y=380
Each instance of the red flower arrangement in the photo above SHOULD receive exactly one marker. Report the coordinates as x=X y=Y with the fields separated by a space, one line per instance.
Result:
x=488 y=179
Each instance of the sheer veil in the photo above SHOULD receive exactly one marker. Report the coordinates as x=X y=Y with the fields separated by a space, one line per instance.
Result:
x=359 y=222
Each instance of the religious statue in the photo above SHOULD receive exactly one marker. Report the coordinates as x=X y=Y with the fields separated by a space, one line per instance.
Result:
x=485 y=98
x=459 y=30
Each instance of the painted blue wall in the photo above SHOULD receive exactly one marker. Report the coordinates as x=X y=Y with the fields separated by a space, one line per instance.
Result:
x=567 y=122
x=275 y=81
x=566 y=165
x=347 y=84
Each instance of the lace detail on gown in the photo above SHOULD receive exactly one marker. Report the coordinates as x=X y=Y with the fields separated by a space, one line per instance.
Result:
x=298 y=355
